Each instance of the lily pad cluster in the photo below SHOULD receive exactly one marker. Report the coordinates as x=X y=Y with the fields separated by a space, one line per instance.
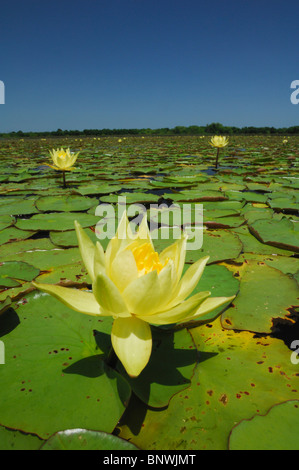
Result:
x=215 y=385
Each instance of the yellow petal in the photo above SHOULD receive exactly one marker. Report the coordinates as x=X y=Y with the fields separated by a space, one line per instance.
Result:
x=143 y=295
x=178 y=313
x=87 y=249
x=208 y=305
x=132 y=342
x=108 y=296
x=121 y=240
x=189 y=281
x=143 y=233
x=83 y=302
x=123 y=269
x=176 y=252
x=167 y=281
x=99 y=260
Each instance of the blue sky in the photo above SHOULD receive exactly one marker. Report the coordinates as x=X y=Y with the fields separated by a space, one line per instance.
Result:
x=83 y=64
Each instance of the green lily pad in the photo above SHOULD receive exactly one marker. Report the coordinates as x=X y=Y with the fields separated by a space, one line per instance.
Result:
x=10 y=271
x=252 y=245
x=265 y=294
x=10 y=439
x=47 y=259
x=70 y=203
x=131 y=198
x=238 y=376
x=77 y=390
x=11 y=234
x=277 y=430
x=23 y=246
x=18 y=206
x=56 y=221
x=220 y=245
x=281 y=233
x=83 y=439
x=69 y=238
x=6 y=221
x=65 y=275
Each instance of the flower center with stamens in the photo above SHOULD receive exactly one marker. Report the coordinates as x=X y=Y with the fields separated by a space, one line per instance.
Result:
x=147 y=259
x=61 y=154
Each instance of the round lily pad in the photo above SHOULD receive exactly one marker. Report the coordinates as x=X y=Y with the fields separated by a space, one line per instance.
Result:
x=69 y=385
x=277 y=430
x=83 y=439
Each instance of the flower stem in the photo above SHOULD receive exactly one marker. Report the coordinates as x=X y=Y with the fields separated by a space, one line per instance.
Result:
x=112 y=359
x=217 y=156
x=63 y=178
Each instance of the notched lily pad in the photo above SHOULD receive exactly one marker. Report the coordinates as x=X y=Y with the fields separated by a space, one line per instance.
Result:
x=265 y=293
x=277 y=430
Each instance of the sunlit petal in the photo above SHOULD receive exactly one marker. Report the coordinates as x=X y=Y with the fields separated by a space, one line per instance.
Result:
x=76 y=299
x=132 y=342
x=87 y=249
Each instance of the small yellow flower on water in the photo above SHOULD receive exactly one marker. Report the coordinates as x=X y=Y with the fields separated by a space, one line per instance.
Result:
x=63 y=159
x=219 y=141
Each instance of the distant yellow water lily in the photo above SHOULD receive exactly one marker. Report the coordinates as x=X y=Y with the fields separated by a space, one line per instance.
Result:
x=285 y=141
x=63 y=160
x=219 y=142
x=137 y=287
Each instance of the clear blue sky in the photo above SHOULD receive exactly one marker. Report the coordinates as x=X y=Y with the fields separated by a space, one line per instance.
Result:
x=82 y=64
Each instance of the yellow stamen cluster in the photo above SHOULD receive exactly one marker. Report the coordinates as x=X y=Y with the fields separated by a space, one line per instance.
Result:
x=147 y=259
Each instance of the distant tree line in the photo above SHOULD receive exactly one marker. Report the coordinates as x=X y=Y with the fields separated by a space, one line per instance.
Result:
x=215 y=128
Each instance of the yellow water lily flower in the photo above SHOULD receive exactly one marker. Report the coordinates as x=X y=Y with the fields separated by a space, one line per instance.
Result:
x=63 y=159
x=137 y=287
x=219 y=141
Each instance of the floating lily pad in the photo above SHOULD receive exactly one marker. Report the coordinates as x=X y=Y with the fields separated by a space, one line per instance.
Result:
x=56 y=221
x=11 y=271
x=277 y=430
x=82 y=439
x=71 y=203
x=238 y=376
x=265 y=294
x=281 y=233
x=220 y=245
x=18 y=206
x=10 y=439
x=77 y=390
x=6 y=221
x=11 y=234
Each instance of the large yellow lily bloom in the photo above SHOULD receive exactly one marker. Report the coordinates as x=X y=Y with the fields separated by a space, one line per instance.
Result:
x=137 y=287
x=63 y=159
x=219 y=141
